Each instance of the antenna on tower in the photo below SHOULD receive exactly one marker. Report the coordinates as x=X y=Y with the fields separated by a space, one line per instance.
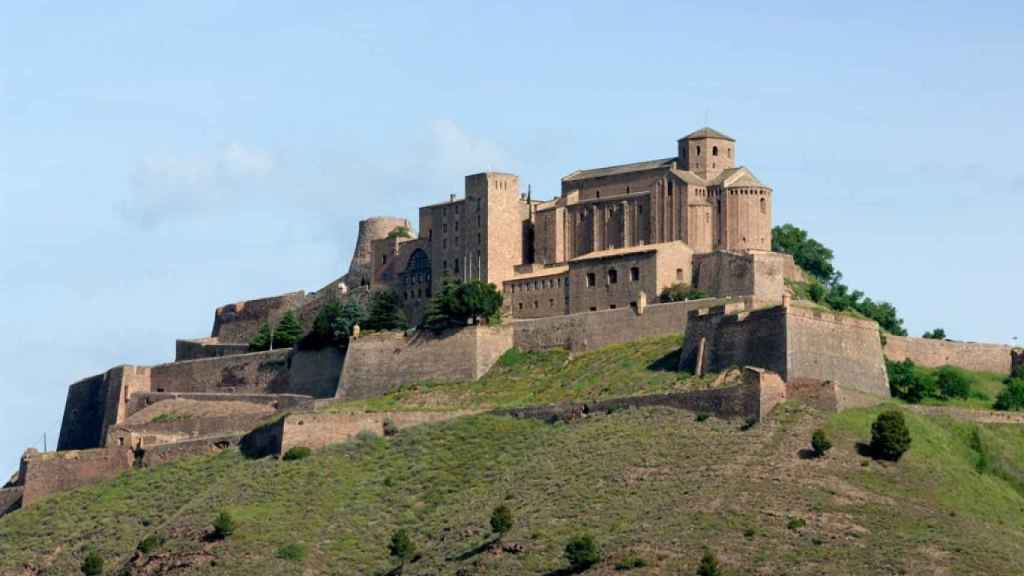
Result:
x=529 y=192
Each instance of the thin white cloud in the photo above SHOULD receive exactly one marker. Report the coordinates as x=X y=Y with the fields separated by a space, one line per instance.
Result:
x=459 y=153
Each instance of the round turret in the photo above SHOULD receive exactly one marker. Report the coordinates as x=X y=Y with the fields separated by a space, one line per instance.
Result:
x=360 y=270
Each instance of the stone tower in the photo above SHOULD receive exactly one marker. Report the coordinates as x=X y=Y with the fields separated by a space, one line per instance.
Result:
x=360 y=270
x=707 y=152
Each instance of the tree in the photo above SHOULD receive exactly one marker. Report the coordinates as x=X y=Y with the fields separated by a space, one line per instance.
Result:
x=937 y=334
x=679 y=292
x=400 y=232
x=386 y=311
x=820 y=443
x=261 y=341
x=953 y=382
x=458 y=303
x=708 y=564
x=807 y=252
x=224 y=525
x=501 y=520
x=890 y=437
x=288 y=331
x=402 y=547
x=1012 y=395
x=333 y=326
x=582 y=552
x=93 y=564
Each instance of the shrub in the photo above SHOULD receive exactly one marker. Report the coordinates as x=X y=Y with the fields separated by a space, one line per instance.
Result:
x=582 y=552
x=297 y=453
x=261 y=341
x=953 y=382
x=386 y=312
x=890 y=437
x=679 y=292
x=150 y=544
x=333 y=326
x=293 y=552
x=390 y=428
x=807 y=252
x=820 y=443
x=401 y=546
x=224 y=526
x=937 y=334
x=1012 y=396
x=708 y=565
x=702 y=416
x=796 y=523
x=400 y=232
x=501 y=520
x=816 y=292
x=288 y=331
x=93 y=564
x=631 y=562
x=910 y=383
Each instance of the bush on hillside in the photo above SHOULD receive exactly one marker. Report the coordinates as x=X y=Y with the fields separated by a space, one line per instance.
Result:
x=1012 y=396
x=890 y=437
x=93 y=564
x=910 y=383
x=389 y=427
x=333 y=326
x=461 y=303
x=150 y=544
x=582 y=552
x=261 y=341
x=501 y=520
x=293 y=552
x=401 y=546
x=297 y=453
x=708 y=564
x=224 y=526
x=679 y=292
x=820 y=443
x=288 y=331
x=953 y=382
x=937 y=334
x=386 y=311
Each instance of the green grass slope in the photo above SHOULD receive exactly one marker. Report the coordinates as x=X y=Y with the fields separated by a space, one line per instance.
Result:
x=654 y=484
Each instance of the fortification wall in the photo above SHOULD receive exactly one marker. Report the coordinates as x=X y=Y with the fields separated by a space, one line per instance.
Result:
x=157 y=433
x=316 y=430
x=360 y=269
x=163 y=454
x=934 y=353
x=825 y=345
x=587 y=331
x=240 y=321
x=379 y=363
x=760 y=275
x=276 y=401
x=82 y=425
x=10 y=499
x=52 y=472
x=261 y=372
x=206 y=348
x=717 y=340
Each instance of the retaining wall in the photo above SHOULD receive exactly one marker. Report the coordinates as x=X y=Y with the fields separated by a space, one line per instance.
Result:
x=276 y=401
x=240 y=321
x=379 y=363
x=197 y=447
x=10 y=499
x=51 y=472
x=206 y=348
x=934 y=353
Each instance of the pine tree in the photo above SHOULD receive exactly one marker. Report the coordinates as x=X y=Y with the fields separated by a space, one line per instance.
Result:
x=288 y=331
x=261 y=341
x=386 y=312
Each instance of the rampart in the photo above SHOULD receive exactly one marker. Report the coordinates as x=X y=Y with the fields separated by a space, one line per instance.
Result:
x=165 y=453
x=934 y=353
x=240 y=321
x=10 y=499
x=587 y=331
x=51 y=472
x=796 y=342
x=206 y=348
x=379 y=363
x=760 y=275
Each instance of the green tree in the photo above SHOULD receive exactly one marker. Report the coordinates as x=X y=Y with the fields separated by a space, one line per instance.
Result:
x=679 y=292
x=261 y=341
x=953 y=382
x=459 y=303
x=937 y=334
x=224 y=525
x=582 y=552
x=333 y=326
x=501 y=520
x=708 y=564
x=400 y=232
x=401 y=547
x=820 y=443
x=386 y=311
x=288 y=331
x=890 y=437
x=807 y=252
x=1012 y=396
x=93 y=564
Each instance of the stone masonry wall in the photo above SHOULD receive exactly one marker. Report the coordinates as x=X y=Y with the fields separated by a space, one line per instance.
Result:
x=240 y=321
x=587 y=331
x=256 y=372
x=206 y=348
x=45 y=474
x=382 y=362
x=10 y=499
x=82 y=425
x=934 y=353
x=756 y=338
x=157 y=455
x=316 y=430
x=761 y=275
x=1017 y=361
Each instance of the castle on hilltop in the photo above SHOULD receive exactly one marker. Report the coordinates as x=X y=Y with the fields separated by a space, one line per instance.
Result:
x=579 y=273
x=616 y=236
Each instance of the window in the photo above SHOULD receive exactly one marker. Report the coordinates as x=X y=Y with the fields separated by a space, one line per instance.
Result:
x=593 y=308
x=764 y=205
x=613 y=276
x=536 y=304
x=714 y=150
x=444 y=244
x=551 y=303
x=698 y=150
x=457 y=266
x=729 y=152
x=456 y=225
x=598 y=193
x=444 y=228
x=627 y=189
x=591 y=279
x=634 y=274
x=520 y=305
x=383 y=259
x=612 y=306
x=679 y=274
x=633 y=305
x=444 y=265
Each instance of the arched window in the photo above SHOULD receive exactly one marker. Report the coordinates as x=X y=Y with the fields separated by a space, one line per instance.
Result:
x=698 y=150
x=764 y=205
x=714 y=150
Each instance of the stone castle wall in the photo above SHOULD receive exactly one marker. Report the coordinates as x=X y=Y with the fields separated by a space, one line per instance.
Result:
x=52 y=472
x=157 y=455
x=258 y=372
x=240 y=321
x=10 y=499
x=317 y=430
x=934 y=353
x=206 y=348
x=360 y=270
x=717 y=340
x=760 y=275
x=379 y=363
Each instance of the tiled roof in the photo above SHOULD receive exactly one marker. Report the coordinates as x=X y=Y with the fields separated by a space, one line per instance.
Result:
x=629 y=250
x=736 y=177
x=707 y=133
x=620 y=169
x=542 y=273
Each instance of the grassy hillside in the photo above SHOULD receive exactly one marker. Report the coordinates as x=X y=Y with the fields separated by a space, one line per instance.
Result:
x=520 y=379
x=655 y=484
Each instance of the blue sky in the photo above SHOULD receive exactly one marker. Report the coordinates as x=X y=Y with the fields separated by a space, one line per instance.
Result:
x=160 y=159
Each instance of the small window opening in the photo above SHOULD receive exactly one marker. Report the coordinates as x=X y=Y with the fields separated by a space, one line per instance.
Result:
x=613 y=276
x=591 y=279
x=634 y=274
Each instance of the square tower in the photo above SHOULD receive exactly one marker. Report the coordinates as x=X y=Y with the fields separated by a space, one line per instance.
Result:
x=707 y=152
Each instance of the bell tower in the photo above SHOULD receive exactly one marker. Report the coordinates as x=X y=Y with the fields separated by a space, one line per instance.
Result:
x=707 y=152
